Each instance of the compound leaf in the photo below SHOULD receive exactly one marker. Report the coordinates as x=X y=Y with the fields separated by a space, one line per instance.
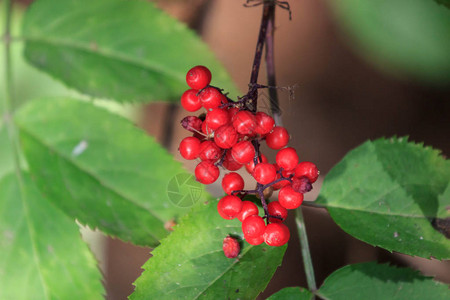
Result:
x=101 y=169
x=43 y=256
x=292 y=293
x=190 y=264
x=390 y=193
x=127 y=50
x=373 y=281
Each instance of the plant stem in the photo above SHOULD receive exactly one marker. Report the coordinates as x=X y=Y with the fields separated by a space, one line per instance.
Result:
x=7 y=99
x=306 y=254
x=274 y=106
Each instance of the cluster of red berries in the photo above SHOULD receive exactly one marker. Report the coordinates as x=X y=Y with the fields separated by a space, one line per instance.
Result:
x=228 y=135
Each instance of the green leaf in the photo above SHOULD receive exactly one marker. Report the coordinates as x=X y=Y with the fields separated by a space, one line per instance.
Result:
x=444 y=2
x=127 y=50
x=388 y=192
x=102 y=170
x=403 y=38
x=43 y=256
x=372 y=281
x=292 y=293
x=190 y=264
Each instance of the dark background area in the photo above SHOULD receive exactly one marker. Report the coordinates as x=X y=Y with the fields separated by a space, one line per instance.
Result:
x=340 y=102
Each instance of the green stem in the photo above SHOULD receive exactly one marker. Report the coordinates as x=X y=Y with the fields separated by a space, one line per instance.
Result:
x=274 y=105
x=8 y=99
x=306 y=254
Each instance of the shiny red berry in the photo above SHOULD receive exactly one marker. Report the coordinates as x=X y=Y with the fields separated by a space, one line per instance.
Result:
x=243 y=152
x=248 y=209
x=232 y=182
x=230 y=205
x=190 y=101
x=255 y=241
x=264 y=173
x=206 y=172
x=209 y=151
x=253 y=226
x=244 y=122
x=274 y=208
x=190 y=148
x=216 y=118
x=231 y=247
x=308 y=169
x=287 y=158
x=278 y=138
x=264 y=123
x=230 y=164
x=225 y=136
x=198 y=77
x=210 y=98
x=289 y=198
x=251 y=165
x=276 y=234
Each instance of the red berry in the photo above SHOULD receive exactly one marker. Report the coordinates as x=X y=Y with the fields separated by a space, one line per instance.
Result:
x=190 y=101
x=198 y=77
x=243 y=152
x=289 y=198
x=231 y=247
x=211 y=98
x=244 y=122
x=232 y=111
x=255 y=241
x=264 y=173
x=206 y=172
x=276 y=234
x=280 y=184
x=308 y=169
x=206 y=130
x=226 y=217
x=230 y=206
x=225 y=136
x=248 y=209
x=264 y=123
x=229 y=163
x=189 y=148
x=251 y=165
x=209 y=151
x=278 y=138
x=192 y=123
x=287 y=158
x=216 y=118
x=232 y=182
x=274 y=208
x=253 y=226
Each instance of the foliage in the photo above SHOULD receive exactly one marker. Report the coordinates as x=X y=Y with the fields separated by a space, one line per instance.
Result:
x=80 y=161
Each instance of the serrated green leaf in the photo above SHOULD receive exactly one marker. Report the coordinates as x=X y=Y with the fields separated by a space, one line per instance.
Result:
x=102 y=170
x=403 y=38
x=127 y=50
x=190 y=264
x=373 y=281
x=43 y=256
x=292 y=293
x=387 y=193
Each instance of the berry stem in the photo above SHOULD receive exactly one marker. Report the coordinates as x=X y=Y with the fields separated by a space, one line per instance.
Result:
x=274 y=106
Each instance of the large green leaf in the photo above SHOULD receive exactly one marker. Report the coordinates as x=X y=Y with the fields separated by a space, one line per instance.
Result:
x=372 y=281
x=101 y=169
x=43 y=256
x=444 y=2
x=388 y=193
x=292 y=293
x=405 y=38
x=126 y=50
x=190 y=264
